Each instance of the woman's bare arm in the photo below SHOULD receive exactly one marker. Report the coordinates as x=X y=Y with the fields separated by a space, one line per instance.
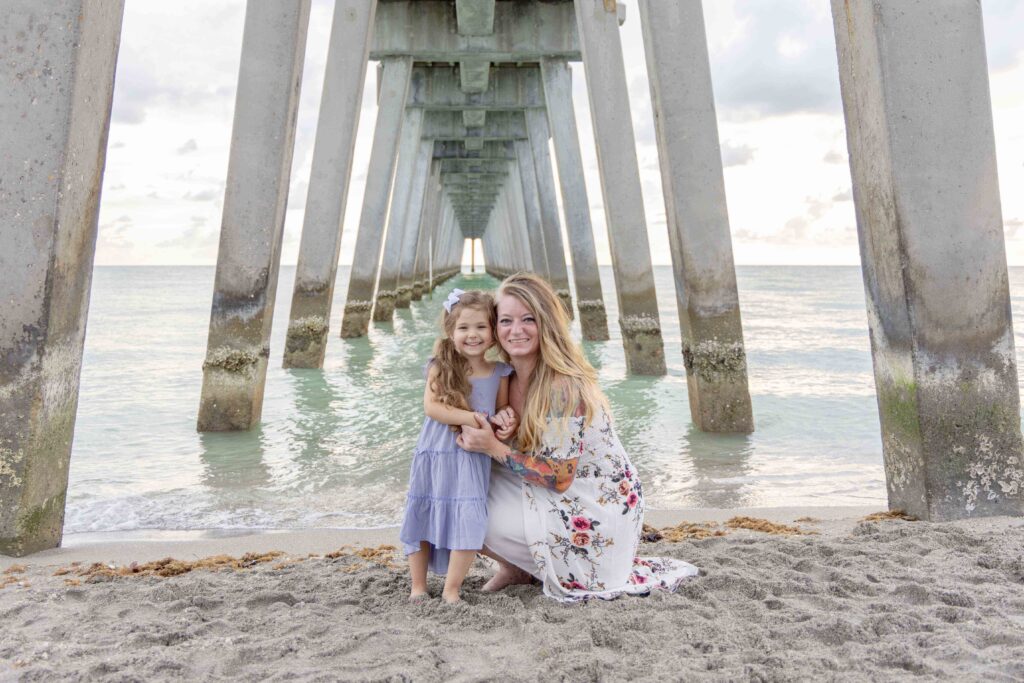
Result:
x=556 y=474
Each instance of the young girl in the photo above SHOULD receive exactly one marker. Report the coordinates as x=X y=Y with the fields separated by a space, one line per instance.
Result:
x=446 y=509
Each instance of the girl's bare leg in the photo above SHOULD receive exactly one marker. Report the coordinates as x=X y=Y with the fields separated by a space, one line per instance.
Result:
x=458 y=566
x=507 y=575
x=418 y=570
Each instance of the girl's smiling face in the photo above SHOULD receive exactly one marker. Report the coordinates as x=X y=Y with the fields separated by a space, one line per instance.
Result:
x=472 y=335
x=517 y=328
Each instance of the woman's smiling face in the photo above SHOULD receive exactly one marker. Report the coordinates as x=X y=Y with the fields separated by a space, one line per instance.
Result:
x=517 y=328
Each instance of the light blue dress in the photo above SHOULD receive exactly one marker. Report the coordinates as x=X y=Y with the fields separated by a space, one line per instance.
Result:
x=447 y=501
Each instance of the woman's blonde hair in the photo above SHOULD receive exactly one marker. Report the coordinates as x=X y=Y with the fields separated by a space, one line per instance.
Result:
x=451 y=384
x=560 y=359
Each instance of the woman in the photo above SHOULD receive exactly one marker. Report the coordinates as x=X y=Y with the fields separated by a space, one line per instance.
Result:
x=565 y=504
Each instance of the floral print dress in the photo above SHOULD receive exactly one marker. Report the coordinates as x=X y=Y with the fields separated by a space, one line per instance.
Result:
x=583 y=541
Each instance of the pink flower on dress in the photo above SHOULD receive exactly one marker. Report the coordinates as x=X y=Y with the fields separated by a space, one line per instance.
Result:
x=581 y=524
x=633 y=499
x=637 y=579
x=573 y=585
x=581 y=539
x=624 y=487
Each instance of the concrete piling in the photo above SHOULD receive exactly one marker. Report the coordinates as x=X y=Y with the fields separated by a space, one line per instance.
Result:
x=316 y=271
x=259 y=168
x=537 y=125
x=468 y=130
x=557 y=80
x=914 y=83
x=57 y=74
x=365 y=259
x=391 y=263
x=414 y=219
x=526 y=176
x=620 y=182
x=698 y=221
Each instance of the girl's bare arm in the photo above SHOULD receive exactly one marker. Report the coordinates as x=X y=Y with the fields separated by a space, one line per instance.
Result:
x=443 y=413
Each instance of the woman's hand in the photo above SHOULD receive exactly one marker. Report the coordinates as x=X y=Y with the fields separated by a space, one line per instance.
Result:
x=481 y=439
x=506 y=422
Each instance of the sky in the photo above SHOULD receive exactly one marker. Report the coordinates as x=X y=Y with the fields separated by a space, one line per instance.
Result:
x=780 y=121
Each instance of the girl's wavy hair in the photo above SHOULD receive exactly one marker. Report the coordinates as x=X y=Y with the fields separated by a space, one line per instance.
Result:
x=560 y=359
x=450 y=383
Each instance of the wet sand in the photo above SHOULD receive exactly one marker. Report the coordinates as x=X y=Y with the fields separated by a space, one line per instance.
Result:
x=843 y=599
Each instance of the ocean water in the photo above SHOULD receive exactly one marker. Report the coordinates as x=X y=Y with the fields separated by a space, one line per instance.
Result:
x=333 y=447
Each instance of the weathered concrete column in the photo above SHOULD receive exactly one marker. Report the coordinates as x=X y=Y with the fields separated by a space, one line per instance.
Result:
x=698 y=220
x=537 y=124
x=434 y=244
x=518 y=227
x=431 y=220
x=391 y=264
x=259 y=166
x=485 y=247
x=414 y=218
x=915 y=92
x=366 y=255
x=57 y=78
x=515 y=225
x=562 y=119
x=441 y=244
x=620 y=184
x=527 y=177
x=316 y=271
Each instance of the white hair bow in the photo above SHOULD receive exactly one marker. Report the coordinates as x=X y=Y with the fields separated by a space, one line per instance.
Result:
x=453 y=298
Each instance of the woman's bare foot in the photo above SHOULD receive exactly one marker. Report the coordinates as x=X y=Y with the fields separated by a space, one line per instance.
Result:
x=506 y=575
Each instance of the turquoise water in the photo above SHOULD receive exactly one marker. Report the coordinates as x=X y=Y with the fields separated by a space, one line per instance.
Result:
x=333 y=447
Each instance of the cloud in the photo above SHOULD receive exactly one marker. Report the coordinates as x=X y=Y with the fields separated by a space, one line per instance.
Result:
x=834 y=157
x=844 y=196
x=1011 y=226
x=807 y=229
x=780 y=59
x=736 y=155
x=196 y=237
x=1004 y=20
x=113 y=235
x=189 y=146
x=207 y=195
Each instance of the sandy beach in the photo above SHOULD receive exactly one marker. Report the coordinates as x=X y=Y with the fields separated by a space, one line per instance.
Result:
x=785 y=594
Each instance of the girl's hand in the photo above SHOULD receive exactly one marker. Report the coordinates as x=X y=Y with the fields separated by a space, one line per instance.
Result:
x=506 y=423
x=480 y=439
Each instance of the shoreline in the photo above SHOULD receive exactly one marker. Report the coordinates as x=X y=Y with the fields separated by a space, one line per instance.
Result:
x=145 y=545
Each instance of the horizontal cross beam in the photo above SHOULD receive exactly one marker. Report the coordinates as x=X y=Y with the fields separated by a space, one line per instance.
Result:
x=427 y=31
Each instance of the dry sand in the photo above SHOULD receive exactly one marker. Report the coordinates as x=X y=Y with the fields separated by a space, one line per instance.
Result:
x=857 y=600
